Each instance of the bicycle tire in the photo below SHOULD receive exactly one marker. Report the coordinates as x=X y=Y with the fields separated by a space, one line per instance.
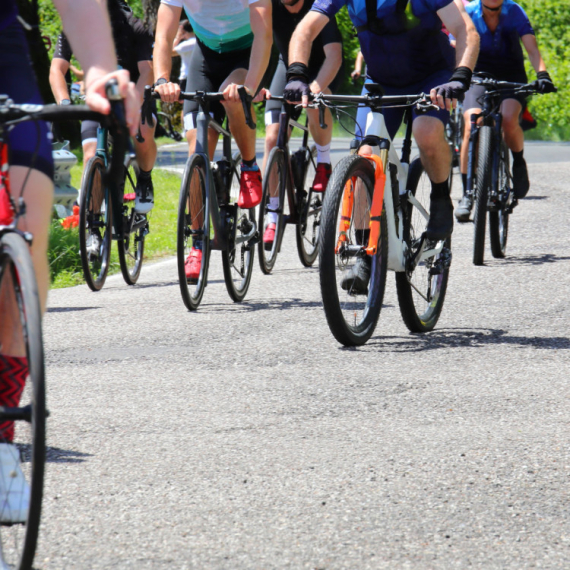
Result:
x=499 y=220
x=19 y=540
x=237 y=261
x=351 y=317
x=95 y=266
x=420 y=312
x=193 y=224
x=307 y=230
x=275 y=174
x=484 y=167
x=131 y=246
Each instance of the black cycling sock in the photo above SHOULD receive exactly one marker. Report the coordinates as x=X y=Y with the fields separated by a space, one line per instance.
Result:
x=440 y=189
x=464 y=180
x=249 y=163
x=362 y=236
x=144 y=174
x=517 y=157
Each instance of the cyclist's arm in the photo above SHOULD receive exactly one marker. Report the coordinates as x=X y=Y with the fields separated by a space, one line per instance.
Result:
x=166 y=27
x=358 y=65
x=330 y=67
x=531 y=47
x=261 y=25
x=304 y=36
x=461 y=27
x=145 y=77
x=58 y=68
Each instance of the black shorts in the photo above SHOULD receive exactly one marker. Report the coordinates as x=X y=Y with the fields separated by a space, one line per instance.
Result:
x=273 y=108
x=206 y=72
x=476 y=91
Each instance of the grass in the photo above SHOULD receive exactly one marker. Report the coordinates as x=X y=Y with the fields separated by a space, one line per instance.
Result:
x=63 y=250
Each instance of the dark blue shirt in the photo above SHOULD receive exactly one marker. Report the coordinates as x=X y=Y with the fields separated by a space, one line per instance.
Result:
x=500 y=53
x=8 y=13
x=404 y=57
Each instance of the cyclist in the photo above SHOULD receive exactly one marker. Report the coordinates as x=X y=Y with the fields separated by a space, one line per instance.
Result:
x=406 y=52
x=502 y=25
x=233 y=44
x=134 y=52
x=325 y=74
x=31 y=159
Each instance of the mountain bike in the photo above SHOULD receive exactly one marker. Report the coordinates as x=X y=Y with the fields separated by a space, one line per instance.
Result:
x=490 y=187
x=22 y=459
x=208 y=213
x=104 y=217
x=288 y=175
x=375 y=212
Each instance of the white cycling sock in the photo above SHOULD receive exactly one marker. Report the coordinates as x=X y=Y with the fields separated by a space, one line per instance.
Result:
x=323 y=153
x=273 y=205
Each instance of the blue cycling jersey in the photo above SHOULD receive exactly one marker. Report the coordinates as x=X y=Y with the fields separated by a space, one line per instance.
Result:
x=500 y=53
x=8 y=13
x=404 y=56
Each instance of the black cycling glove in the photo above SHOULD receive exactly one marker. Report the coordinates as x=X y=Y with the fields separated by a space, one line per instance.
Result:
x=544 y=83
x=297 y=82
x=458 y=83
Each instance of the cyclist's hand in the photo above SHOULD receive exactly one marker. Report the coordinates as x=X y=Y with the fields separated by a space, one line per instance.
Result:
x=544 y=83
x=263 y=95
x=355 y=75
x=231 y=92
x=297 y=91
x=96 y=97
x=447 y=94
x=169 y=92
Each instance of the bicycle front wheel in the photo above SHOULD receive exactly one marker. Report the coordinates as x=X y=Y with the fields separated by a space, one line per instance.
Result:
x=352 y=282
x=421 y=289
x=95 y=225
x=499 y=218
x=484 y=172
x=237 y=260
x=271 y=209
x=23 y=453
x=135 y=228
x=309 y=225
x=193 y=232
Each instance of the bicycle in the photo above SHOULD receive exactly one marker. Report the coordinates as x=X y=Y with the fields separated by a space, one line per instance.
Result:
x=22 y=460
x=377 y=209
x=104 y=217
x=208 y=213
x=287 y=174
x=490 y=187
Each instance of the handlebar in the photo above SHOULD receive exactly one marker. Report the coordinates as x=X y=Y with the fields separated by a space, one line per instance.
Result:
x=496 y=86
x=202 y=97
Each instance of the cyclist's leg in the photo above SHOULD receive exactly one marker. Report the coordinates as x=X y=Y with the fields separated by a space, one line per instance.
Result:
x=362 y=115
x=322 y=138
x=511 y=110
x=273 y=110
x=146 y=157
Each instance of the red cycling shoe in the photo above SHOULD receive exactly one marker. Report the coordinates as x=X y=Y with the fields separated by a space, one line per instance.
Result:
x=250 y=190
x=269 y=236
x=193 y=265
x=322 y=177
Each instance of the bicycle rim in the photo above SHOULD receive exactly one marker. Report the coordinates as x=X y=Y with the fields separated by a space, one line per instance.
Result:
x=351 y=315
x=95 y=224
x=131 y=246
x=484 y=162
x=499 y=219
x=17 y=283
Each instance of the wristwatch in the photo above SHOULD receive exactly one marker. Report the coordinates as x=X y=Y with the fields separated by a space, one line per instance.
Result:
x=161 y=81
x=65 y=102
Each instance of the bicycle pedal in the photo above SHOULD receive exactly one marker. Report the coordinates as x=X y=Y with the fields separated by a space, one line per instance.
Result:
x=442 y=262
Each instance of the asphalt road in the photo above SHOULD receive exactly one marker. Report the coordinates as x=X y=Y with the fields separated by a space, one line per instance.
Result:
x=244 y=436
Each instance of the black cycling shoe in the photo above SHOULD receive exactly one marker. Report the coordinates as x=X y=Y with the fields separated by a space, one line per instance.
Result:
x=144 y=190
x=356 y=279
x=440 y=224
x=521 y=183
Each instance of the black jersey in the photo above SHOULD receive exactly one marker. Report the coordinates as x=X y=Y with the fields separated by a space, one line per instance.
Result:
x=8 y=13
x=284 y=24
x=133 y=41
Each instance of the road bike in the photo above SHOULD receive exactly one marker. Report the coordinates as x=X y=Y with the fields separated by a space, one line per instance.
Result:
x=490 y=185
x=22 y=459
x=104 y=217
x=288 y=179
x=208 y=213
x=375 y=213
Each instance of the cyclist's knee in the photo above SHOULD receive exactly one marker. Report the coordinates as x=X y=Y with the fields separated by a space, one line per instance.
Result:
x=365 y=149
x=89 y=150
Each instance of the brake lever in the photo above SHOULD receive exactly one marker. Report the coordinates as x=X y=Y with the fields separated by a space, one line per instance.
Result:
x=246 y=104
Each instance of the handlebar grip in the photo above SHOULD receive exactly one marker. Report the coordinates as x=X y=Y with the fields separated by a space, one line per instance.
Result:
x=246 y=104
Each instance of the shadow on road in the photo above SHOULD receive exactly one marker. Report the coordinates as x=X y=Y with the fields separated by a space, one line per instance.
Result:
x=446 y=338
x=57 y=455
x=69 y=309
x=527 y=260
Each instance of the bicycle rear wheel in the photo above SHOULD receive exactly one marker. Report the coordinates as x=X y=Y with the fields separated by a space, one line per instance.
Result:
x=484 y=168
x=237 y=261
x=193 y=232
x=309 y=226
x=352 y=311
x=135 y=228
x=272 y=208
x=499 y=219
x=421 y=289
x=95 y=225
x=22 y=459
